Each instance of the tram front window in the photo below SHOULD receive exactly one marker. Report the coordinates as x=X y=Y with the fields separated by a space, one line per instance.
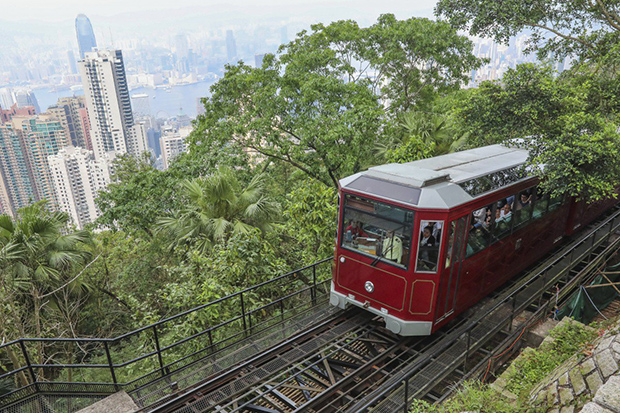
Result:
x=377 y=229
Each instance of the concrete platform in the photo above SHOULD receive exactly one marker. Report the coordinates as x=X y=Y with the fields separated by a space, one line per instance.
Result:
x=117 y=403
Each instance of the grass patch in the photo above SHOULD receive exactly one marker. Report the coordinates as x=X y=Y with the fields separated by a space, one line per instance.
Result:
x=523 y=375
x=472 y=397
x=536 y=364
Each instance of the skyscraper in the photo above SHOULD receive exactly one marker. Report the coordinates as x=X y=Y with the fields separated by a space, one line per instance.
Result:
x=85 y=35
x=231 y=45
x=109 y=106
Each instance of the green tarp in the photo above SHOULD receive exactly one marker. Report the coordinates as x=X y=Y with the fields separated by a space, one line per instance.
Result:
x=586 y=303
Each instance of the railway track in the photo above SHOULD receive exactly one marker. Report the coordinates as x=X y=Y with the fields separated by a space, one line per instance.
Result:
x=351 y=362
x=303 y=371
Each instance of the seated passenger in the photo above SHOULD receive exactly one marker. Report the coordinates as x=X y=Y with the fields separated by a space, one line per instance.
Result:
x=392 y=248
x=524 y=201
x=505 y=213
x=356 y=230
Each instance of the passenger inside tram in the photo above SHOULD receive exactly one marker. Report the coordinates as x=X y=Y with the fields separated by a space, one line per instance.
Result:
x=392 y=247
x=525 y=200
x=377 y=229
x=356 y=230
x=428 y=246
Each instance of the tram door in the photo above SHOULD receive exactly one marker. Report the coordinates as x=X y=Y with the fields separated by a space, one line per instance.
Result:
x=454 y=258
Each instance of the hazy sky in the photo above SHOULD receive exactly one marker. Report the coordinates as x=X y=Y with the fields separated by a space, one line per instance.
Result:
x=59 y=10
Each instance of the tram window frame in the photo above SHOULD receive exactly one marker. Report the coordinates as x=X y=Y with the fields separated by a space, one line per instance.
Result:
x=540 y=197
x=556 y=202
x=523 y=215
x=451 y=235
x=483 y=233
x=406 y=225
x=504 y=226
x=435 y=249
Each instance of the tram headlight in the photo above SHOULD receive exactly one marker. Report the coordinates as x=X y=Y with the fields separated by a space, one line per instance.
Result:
x=369 y=286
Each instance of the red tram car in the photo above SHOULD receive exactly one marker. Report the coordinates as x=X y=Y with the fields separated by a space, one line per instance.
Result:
x=418 y=243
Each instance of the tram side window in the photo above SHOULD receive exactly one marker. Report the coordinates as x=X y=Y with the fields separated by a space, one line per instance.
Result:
x=555 y=202
x=451 y=229
x=377 y=229
x=429 y=245
x=523 y=210
x=480 y=225
x=541 y=203
x=503 y=217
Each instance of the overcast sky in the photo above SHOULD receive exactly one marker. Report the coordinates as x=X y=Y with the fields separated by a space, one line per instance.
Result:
x=60 y=10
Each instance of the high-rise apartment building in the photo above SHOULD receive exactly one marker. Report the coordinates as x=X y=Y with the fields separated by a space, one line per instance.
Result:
x=85 y=35
x=172 y=143
x=42 y=135
x=18 y=180
x=109 y=107
x=7 y=114
x=78 y=177
x=5 y=202
x=72 y=114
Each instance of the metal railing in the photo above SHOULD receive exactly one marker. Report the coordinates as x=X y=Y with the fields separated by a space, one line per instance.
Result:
x=395 y=396
x=101 y=366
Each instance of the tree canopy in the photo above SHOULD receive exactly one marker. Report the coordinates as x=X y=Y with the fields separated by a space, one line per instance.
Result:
x=322 y=103
x=587 y=29
x=573 y=148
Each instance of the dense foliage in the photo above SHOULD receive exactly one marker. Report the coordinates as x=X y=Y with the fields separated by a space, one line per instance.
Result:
x=256 y=195
x=586 y=29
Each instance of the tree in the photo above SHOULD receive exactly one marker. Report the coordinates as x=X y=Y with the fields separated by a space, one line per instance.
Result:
x=572 y=147
x=318 y=104
x=319 y=124
x=416 y=60
x=40 y=259
x=310 y=213
x=527 y=101
x=137 y=195
x=217 y=206
x=588 y=29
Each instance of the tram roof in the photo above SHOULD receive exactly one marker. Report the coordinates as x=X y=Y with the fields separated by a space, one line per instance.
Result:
x=443 y=181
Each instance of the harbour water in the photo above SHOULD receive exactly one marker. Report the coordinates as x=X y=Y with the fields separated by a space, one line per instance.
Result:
x=164 y=102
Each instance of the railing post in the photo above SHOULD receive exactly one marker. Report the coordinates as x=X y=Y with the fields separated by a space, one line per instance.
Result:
x=406 y=406
x=112 y=372
x=512 y=312
x=281 y=310
x=161 y=361
x=467 y=351
x=313 y=291
x=30 y=369
x=210 y=340
x=245 y=326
